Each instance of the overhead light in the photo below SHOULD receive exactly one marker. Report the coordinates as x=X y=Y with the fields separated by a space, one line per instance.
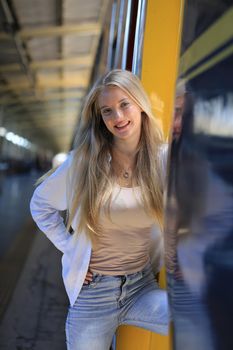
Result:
x=3 y=131
x=16 y=139
x=58 y=159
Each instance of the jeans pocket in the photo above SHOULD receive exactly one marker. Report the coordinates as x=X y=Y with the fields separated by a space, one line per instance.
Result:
x=96 y=278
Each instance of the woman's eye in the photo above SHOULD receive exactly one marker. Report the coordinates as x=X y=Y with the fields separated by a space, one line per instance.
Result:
x=124 y=104
x=106 y=111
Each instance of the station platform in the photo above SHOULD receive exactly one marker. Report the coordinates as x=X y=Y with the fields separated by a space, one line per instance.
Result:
x=35 y=315
x=33 y=304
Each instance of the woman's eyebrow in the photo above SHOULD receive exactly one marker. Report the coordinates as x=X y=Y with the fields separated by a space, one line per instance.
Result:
x=104 y=107
x=123 y=99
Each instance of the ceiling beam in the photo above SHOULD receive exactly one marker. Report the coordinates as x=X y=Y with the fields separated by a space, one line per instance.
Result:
x=85 y=28
x=33 y=100
x=22 y=109
x=23 y=85
x=5 y=36
x=46 y=83
x=83 y=60
x=57 y=124
x=62 y=110
x=14 y=67
x=42 y=116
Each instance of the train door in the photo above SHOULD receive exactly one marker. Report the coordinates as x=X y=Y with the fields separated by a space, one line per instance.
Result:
x=199 y=229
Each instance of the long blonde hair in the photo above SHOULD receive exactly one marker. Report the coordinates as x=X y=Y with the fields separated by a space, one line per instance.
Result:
x=91 y=171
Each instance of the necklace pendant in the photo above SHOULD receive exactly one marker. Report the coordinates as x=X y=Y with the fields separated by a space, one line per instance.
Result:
x=126 y=175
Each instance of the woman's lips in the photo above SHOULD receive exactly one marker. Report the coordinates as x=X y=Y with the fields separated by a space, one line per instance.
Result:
x=122 y=127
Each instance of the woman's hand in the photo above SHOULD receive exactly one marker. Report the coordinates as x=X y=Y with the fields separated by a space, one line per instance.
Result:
x=88 y=277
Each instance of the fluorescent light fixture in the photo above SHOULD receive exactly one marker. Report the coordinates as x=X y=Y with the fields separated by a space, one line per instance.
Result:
x=17 y=140
x=58 y=159
x=3 y=131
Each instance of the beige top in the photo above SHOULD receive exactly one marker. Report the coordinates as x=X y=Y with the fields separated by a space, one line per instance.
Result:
x=124 y=243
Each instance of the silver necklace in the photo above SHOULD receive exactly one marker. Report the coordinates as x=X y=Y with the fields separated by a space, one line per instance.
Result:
x=126 y=174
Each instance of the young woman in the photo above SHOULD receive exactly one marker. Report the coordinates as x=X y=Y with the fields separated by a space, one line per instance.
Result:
x=112 y=186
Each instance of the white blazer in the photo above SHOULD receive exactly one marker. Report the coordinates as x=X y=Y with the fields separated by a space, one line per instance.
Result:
x=49 y=198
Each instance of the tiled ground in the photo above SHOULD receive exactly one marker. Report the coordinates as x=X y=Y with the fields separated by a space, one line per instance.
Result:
x=33 y=302
x=15 y=195
x=36 y=314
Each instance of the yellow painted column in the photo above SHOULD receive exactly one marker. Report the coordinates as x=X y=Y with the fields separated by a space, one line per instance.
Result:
x=160 y=56
x=159 y=70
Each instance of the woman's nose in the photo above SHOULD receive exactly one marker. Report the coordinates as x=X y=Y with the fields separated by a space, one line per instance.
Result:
x=117 y=114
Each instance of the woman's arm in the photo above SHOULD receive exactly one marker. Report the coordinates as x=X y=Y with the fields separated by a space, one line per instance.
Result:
x=48 y=199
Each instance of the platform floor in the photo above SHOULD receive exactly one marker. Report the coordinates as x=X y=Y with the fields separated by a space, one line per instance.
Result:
x=35 y=317
x=15 y=194
x=33 y=299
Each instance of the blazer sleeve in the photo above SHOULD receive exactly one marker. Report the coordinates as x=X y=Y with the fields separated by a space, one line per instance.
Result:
x=48 y=199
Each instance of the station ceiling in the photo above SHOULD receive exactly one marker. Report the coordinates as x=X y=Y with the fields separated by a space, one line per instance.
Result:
x=48 y=48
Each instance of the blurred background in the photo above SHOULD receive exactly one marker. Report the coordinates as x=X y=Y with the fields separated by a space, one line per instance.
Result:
x=51 y=52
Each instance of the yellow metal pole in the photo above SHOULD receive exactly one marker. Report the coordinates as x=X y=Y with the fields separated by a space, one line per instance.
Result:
x=160 y=56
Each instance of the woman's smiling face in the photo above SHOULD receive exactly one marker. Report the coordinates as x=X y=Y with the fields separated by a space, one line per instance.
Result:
x=121 y=115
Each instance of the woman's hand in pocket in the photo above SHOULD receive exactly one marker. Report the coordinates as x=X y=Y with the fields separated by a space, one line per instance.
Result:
x=88 y=278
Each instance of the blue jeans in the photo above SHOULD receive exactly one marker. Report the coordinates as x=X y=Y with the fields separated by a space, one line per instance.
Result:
x=110 y=301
